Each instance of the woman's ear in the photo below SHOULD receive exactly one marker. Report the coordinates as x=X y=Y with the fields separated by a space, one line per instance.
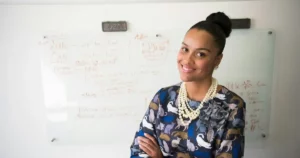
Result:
x=218 y=60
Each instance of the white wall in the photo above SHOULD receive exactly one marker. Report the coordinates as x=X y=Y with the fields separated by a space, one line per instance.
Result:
x=22 y=115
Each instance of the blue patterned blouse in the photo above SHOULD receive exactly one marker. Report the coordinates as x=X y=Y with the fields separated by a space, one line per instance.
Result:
x=218 y=132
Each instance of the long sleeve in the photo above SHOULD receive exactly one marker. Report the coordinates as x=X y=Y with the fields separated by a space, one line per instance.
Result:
x=231 y=144
x=147 y=125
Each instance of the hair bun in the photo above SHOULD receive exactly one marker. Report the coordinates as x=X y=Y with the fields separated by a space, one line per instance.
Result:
x=222 y=20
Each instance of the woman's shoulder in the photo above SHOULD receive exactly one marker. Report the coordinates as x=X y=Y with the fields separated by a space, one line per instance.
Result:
x=170 y=88
x=231 y=97
x=174 y=87
x=167 y=93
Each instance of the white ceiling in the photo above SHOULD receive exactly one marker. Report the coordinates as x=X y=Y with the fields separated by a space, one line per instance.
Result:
x=100 y=1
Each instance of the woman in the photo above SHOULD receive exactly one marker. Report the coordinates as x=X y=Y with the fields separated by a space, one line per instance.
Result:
x=197 y=117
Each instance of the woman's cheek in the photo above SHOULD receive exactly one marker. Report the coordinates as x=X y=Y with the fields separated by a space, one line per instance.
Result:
x=204 y=66
x=179 y=57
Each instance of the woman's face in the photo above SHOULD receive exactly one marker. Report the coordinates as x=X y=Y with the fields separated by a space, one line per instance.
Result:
x=198 y=56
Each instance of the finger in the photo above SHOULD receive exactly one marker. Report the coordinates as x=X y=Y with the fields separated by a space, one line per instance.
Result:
x=146 y=149
x=146 y=140
x=151 y=138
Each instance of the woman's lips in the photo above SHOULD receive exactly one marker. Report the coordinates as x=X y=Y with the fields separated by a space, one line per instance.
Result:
x=187 y=69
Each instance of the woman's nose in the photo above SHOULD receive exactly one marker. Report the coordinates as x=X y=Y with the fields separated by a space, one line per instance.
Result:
x=188 y=59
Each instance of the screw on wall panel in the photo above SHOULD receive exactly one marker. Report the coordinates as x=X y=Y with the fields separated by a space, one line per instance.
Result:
x=53 y=139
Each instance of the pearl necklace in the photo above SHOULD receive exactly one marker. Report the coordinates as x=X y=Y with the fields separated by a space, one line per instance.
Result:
x=185 y=110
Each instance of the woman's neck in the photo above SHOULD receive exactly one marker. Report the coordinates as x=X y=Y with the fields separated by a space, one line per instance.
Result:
x=197 y=90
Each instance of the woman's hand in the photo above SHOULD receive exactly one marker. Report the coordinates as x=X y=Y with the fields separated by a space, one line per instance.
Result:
x=150 y=146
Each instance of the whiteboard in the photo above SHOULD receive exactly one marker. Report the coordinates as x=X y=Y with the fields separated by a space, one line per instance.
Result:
x=97 y=86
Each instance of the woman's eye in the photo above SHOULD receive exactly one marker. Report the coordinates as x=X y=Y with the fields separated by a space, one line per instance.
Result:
x=184 y=49
x=200 y=54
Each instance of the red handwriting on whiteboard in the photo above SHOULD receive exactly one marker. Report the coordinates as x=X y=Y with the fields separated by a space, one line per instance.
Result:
x=254 y=124
x=58 y=45
x=256 y=110
x=140 y=36
x=237 y=86
x=153 y=46
x=259 y=84
x=256 y=102
x=247 y=84
x=89 y=94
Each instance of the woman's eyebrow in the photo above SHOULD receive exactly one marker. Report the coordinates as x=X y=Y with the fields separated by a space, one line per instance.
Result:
x=198 y=48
